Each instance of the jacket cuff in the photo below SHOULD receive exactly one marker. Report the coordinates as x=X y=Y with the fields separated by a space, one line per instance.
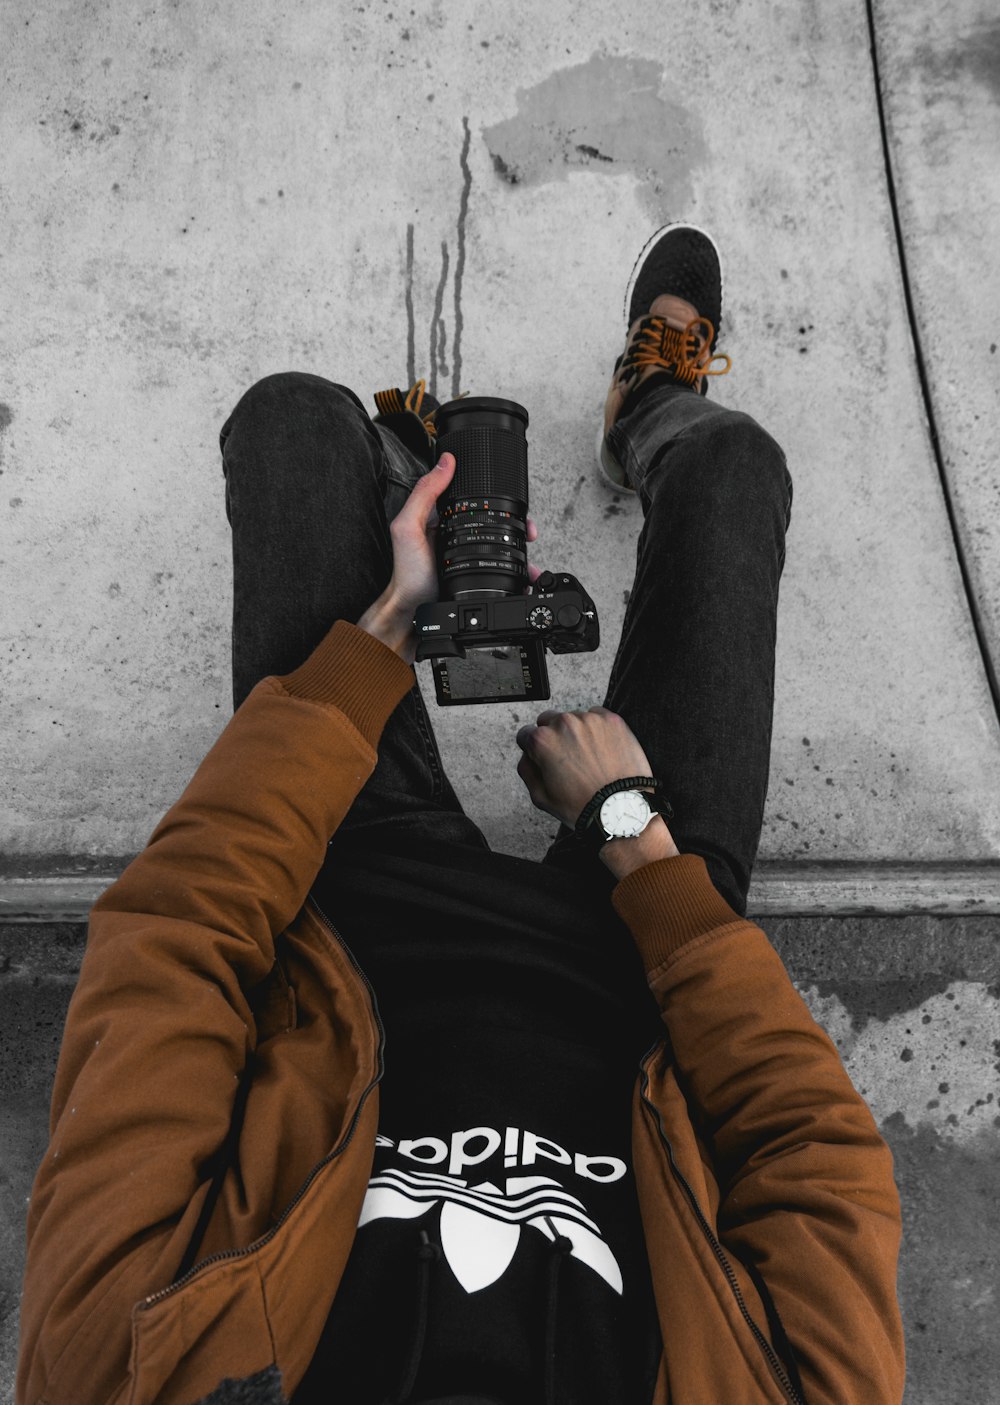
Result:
x=355 y=672
x=668 y=903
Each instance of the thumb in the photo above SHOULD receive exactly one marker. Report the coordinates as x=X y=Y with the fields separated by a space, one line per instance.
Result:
x=438 y=479
x=444 y=466
x=421 y=505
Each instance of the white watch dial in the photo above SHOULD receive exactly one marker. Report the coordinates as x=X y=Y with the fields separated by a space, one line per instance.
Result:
x=625 y=814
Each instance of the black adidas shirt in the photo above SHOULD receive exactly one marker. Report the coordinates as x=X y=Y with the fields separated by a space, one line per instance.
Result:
x=516 y=1013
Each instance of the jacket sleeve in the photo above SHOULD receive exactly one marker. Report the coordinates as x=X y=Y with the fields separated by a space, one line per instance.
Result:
x=159 y=1029
x=807 y=1194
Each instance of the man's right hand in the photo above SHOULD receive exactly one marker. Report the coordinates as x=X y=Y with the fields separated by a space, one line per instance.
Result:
x=568 y=756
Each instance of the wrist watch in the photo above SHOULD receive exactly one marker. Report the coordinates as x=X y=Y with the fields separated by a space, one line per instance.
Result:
x=621 y=811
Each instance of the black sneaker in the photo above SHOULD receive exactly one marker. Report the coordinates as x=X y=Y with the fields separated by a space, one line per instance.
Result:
x=682 y=260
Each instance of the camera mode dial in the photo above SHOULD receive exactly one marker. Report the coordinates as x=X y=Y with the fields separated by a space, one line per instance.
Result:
x=541 y=617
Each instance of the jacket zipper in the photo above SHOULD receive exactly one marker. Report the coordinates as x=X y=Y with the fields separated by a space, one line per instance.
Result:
x=379 y=1071
x=773 y=1360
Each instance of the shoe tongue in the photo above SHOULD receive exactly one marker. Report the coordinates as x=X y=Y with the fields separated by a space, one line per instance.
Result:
x=676 y=324
x=678 y=311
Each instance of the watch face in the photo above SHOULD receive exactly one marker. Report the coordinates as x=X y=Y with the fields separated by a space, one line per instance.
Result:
x=625 y=814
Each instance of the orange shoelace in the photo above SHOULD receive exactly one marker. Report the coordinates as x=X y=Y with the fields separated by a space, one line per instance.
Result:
x=684 y=353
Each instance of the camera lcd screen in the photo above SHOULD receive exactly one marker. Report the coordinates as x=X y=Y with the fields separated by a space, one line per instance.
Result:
x=497 y=673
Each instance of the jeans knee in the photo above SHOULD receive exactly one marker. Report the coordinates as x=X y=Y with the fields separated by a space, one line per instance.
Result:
x=739 y=447
x=299 y=388
x=739 y=435
x=298 y=401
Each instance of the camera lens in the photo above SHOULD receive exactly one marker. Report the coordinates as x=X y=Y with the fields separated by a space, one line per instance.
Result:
x=483 y=516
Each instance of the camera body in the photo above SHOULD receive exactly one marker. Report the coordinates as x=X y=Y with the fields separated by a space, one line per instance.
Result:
x=487 y=635
x=492 y=649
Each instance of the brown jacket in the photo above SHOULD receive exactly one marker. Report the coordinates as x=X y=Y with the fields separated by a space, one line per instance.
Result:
x=766 y=1192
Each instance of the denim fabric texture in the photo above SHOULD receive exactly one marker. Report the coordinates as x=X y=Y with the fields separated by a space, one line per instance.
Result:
x=311 y=485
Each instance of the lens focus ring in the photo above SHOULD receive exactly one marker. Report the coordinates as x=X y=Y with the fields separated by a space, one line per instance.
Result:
x=489 y=462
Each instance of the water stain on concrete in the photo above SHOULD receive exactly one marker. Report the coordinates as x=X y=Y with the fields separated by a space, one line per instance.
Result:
x=982 y=56
x=606 y=115
x=158 y=329
x=411 y=355
x=6 y=415
x=867 y=1000
x=976 y=55
x=438 y=330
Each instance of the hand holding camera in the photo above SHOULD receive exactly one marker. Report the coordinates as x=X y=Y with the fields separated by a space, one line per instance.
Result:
x=415 y=578
x=414 y=560
x=488 y=622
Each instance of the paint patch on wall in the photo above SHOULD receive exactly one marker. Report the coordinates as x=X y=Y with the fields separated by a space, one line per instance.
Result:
x=605 y=115
x=933 y=1066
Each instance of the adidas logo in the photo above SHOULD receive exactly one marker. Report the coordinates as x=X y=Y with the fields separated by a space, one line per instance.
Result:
x=520 y=1148
x=481 y=1225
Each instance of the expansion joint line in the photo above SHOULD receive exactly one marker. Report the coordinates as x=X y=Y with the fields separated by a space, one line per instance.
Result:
x=973 y=608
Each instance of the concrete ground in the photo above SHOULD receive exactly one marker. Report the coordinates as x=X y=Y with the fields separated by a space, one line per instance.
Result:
x=193 y=199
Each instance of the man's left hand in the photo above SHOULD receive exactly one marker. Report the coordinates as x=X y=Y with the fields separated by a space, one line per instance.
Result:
x=414 y=572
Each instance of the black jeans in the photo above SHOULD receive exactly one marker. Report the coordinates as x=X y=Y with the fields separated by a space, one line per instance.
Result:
x=311 y=486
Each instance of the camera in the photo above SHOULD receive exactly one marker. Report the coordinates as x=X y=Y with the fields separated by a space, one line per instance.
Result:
x=486 y=638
